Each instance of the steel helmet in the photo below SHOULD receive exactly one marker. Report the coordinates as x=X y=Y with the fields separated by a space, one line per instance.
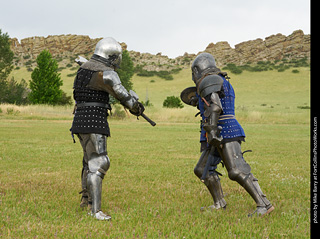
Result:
x=108 y=51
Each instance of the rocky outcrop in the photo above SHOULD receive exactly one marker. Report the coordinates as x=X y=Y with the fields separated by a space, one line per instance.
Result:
x=62 y=45
x=57 y=45
x=275 y=47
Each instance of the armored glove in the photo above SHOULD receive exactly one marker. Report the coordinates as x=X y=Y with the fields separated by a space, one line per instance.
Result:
x=137 y=109
x=213 y=134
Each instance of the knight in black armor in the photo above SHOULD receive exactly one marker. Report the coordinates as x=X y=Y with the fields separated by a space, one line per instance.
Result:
x=221 y=134
x=95 y=81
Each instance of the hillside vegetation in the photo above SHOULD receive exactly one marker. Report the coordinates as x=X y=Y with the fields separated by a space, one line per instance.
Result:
x=267 y=96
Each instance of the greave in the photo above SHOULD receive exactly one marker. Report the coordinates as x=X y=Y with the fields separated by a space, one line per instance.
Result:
x=94 y=183
x=84 y=174
x=251 y=185
x=214 y=186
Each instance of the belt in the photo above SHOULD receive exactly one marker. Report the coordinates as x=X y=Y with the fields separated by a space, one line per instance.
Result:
x=226 y=117
x=103 y=105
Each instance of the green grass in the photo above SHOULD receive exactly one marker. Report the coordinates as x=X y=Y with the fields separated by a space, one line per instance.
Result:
x=150 y=189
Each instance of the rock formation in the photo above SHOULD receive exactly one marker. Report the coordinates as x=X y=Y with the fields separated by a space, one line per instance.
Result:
x=275 y=47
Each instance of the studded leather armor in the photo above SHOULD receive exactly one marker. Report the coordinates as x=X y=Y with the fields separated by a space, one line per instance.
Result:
x=92 y=106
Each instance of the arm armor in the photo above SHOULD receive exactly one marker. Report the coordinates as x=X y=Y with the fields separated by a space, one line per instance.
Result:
x=212 y=113
x=209 y=89
x=215 y=106
x=210 y=84
x=112 y=79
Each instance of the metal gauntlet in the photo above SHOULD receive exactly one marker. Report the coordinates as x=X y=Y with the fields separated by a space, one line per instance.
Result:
x=212 y=112
x=137 y=109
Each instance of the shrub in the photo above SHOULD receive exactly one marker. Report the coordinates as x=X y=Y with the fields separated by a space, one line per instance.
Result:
x=278 y=65
x=172 y=102
x=11 y=111
x=233 y=68
x=65 y=99
x=118 y=112
x=295 y=71
x=72 y=74
x=167 y=75
x=147 y=103
x=236 y=71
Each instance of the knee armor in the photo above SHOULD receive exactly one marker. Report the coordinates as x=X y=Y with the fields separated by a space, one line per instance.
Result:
x=95 y=149
x=237 y=167
x=240 y=171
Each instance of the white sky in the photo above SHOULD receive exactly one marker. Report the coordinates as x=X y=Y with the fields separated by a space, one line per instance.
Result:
x=172 y=27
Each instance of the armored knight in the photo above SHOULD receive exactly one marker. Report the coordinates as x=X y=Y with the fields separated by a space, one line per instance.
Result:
x=96 y=79
x=221 y=134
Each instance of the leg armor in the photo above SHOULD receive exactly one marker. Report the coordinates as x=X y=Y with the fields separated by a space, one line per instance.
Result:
x=94 y=147
x=212 y=113
x=211 y=180
x=85 y=201
x=240 y=171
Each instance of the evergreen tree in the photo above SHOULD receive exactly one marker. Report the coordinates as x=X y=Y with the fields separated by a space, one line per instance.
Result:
x=126 y=70
x=11 y=91
x=14 y=92
x=46 y=81
x=6 y=56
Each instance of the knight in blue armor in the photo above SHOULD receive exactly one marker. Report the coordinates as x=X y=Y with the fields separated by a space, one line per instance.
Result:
x=221 y=134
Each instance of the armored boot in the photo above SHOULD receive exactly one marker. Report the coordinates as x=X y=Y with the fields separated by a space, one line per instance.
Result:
x=213 y=184
x=205 y=171
x=252 y=186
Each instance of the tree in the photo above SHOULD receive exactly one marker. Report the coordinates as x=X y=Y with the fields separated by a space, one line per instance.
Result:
x=14 y=92
x=6 y=56
x=11 y=91
x=46 y=81
x=126 y=70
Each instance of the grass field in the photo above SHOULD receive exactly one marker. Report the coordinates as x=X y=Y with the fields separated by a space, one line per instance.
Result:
x=150 y=190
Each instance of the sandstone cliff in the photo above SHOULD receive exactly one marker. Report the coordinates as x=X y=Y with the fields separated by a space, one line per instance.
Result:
x=275 y=47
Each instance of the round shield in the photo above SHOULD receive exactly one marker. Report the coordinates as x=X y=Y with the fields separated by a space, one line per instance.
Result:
x=187 y=94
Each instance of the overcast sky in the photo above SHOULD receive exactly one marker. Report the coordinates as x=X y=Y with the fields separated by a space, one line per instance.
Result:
x=172 y=27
